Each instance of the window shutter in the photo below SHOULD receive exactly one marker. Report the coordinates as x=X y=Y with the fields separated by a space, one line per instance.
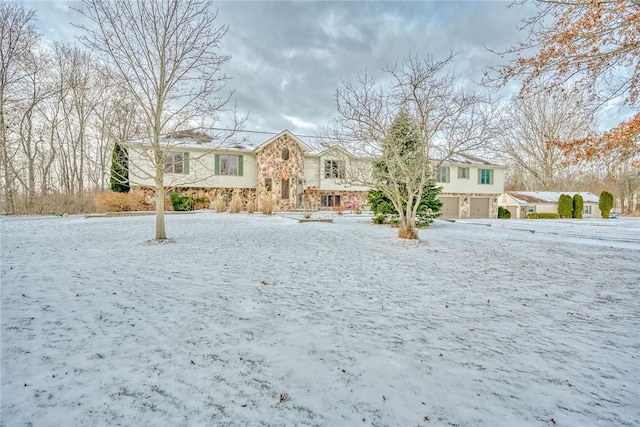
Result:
x=217 y=165
x=240 y=165
x=479 y=176
x=491 y=176
x=186 y=163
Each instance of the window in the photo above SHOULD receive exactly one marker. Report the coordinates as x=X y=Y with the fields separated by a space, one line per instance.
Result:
x=485 y=176
x=285 y=189
x=334 y=168
x=442 y=174
x=330 y=200
x=267 y=184
x=531 y=209
x=586 y=209
x=463 y=173
x=228 y=164
x=176 y=162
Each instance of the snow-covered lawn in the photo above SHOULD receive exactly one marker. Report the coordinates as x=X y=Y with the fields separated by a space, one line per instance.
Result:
x=253 y=320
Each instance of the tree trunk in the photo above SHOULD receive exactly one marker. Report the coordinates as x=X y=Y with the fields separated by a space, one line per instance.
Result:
x=161 y=233
x=408 y=229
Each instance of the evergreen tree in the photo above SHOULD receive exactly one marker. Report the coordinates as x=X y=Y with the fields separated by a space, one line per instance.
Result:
x=605 y=203
x=565 y=206
x=578 y=205
x=119 y=169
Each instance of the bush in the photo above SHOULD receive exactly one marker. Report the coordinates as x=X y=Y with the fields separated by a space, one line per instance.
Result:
x=543 y=215
x=578 y=205
x=110 y=201
x=181 y=202
x=379 y=219
x=503 y=213
x=236 y=203
x=201 y=202
x=220 y=204
x=266 y=204
x=251 y=205
x=605 y=203
x=565 y=206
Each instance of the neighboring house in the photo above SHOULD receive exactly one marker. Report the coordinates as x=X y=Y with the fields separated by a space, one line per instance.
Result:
x=522 y=203
x=296 y=174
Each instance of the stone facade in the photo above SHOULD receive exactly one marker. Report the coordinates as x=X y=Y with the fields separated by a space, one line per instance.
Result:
x=281 y=162
x=312 y=198
x=247 y=195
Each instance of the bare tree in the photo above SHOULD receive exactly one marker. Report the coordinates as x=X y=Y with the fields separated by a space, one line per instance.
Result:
x=17 y=38
x=448 y=120
x=166 y=53
x=534 y=126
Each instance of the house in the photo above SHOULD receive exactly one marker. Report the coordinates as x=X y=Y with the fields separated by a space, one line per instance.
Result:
x=522 y=203
x=297 y=174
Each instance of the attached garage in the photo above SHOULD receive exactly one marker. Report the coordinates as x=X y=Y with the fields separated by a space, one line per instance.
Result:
x=479 y=207
x=450 y=207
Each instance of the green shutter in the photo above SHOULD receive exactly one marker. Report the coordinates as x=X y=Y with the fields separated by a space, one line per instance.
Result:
x=217 y=165
x=240 y=166
x=186 y=163
x=479 y=176
x=491 y=176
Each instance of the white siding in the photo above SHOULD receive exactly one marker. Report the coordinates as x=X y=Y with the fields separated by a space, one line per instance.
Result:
x=201 y=170
x=470 y=185
x=312 y=171
x=356 y=171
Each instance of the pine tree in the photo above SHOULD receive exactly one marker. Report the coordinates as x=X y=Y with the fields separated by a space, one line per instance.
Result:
x=119 y=169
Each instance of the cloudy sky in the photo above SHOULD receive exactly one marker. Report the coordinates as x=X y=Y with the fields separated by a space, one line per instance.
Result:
x=288 y=58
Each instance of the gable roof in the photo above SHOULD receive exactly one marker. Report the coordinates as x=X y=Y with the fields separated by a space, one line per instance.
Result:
x=532 y=197
x=303 y=146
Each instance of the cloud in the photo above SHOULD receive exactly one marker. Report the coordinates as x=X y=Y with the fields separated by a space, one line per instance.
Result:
x=289 y=58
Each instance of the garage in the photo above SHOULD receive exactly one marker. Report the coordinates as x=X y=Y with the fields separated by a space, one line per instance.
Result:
x=450 y=207
x=479 y=207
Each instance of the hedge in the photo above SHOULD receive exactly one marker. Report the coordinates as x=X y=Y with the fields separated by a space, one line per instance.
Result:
x=543 y=215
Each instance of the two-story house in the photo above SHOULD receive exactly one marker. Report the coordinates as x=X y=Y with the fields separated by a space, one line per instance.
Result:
x=296 y=174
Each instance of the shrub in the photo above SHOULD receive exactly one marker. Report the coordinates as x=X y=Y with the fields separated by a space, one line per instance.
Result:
x=266 y=204
x=565 y=206
x=181 y=202
x=578 y=205
x=220 y=204
x=110 y=201
x=379 y=219
x=251 y=205
x=236 y=203
x=543 y=215
x=503 y=213
x=201 y=202
x=605 y=203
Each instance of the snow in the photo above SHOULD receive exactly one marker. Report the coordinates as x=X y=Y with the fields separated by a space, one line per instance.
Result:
x=525 y=197
x=481 y=323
